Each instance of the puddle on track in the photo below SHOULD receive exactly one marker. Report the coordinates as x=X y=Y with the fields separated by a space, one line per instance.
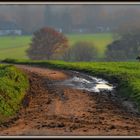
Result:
x=87 y=82
x=92 y=84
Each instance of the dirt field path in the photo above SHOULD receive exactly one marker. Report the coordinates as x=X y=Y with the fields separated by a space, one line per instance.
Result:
x=51 y=110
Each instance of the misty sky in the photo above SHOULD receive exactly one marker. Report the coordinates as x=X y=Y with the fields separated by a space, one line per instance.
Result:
x=33 y=16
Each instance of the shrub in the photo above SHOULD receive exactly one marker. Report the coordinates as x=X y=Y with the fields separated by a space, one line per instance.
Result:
x=81 y=51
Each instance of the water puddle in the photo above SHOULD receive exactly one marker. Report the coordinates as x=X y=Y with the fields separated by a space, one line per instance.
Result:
x=88 y=83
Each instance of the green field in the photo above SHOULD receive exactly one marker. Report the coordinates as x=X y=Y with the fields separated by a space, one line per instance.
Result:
x=13 y=86
x=125 y=74
x=15 y=47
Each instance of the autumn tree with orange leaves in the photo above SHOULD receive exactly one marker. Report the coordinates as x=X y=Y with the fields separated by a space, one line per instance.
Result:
x=45 y=43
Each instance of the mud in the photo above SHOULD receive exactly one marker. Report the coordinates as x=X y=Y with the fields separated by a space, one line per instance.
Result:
x=50 y=109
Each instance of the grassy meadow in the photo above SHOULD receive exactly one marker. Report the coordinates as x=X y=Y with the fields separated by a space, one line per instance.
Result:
x=15 y=47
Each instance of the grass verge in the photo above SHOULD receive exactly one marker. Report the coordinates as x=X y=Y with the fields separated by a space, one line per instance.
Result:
x=13 y=86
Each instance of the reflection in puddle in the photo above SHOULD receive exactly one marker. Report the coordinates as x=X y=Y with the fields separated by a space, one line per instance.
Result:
x=103 y=87
x=89 y=83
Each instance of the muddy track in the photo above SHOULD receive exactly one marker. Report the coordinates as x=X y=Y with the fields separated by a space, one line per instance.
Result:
x=49 y=109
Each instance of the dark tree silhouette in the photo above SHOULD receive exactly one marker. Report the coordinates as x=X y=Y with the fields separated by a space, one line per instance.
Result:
x=124 y=49
x=45 y=43
x=138 y=58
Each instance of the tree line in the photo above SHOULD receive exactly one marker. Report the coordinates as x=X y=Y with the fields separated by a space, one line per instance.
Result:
x=48 y=43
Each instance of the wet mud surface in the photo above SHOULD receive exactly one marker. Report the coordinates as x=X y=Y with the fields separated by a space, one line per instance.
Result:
x=50 y=109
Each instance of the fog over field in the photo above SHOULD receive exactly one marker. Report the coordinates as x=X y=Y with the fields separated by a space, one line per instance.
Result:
x=90 y=17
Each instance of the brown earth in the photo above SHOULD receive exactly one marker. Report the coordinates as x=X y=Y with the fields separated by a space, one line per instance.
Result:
x=49 y=109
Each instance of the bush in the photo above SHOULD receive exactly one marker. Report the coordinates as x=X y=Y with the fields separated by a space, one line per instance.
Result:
x=81 y=51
